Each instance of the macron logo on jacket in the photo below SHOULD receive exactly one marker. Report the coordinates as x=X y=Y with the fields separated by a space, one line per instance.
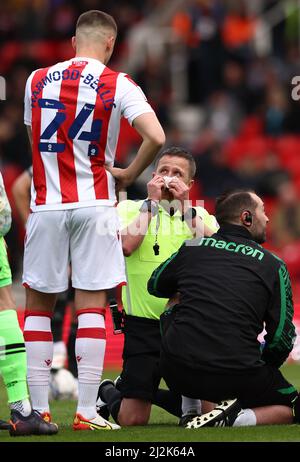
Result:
x=232 y=247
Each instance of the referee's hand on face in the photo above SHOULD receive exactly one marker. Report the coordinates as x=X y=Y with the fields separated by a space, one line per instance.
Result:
x=179 y=190
x=154 y=188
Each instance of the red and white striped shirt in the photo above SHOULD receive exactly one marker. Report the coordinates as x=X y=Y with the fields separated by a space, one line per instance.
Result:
x=74 y=109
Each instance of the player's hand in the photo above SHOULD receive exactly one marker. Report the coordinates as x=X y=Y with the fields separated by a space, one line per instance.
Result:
x=154 y=188
x=122 y=177
x=173 y=300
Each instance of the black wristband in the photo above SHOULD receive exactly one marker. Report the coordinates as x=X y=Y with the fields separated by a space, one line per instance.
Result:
x=189 y=214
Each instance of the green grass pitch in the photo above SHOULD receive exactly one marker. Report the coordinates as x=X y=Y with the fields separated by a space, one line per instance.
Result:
x=162 y=427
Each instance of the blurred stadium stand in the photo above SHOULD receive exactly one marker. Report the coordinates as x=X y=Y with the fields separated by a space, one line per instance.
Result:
x=217 y=72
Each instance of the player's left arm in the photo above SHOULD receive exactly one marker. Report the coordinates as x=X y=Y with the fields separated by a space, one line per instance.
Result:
x=153 y=138
x=136 y=109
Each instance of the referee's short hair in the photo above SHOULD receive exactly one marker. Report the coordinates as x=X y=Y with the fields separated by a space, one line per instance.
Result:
x=232 y=203
x=177 y=151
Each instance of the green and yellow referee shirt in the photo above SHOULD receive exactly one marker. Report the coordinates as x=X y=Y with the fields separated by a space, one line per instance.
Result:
x=171 y=232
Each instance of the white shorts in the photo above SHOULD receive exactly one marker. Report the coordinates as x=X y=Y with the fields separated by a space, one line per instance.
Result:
x=88 y=238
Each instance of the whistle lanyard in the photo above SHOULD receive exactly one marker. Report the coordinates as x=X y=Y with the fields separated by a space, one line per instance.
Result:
x=156 y=245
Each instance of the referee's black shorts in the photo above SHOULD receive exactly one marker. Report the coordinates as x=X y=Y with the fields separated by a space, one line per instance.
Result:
x=140 y=375
x=263 y=386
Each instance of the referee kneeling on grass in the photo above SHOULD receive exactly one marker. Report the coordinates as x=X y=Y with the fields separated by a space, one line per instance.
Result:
x=229 y=287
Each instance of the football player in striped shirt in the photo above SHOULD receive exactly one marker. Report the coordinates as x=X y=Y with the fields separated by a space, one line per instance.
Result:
x=61 y=352
x=73 y=111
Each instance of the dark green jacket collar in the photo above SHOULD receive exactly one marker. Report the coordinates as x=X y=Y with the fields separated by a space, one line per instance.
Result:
x=235 y=230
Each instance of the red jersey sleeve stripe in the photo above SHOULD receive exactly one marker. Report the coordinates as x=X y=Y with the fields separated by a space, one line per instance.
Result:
x=38 y=170
x=104 y=105
x=66 y=163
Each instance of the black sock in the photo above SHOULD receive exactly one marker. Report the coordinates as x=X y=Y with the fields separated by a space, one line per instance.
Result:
x=169 y=401
x=112 y=397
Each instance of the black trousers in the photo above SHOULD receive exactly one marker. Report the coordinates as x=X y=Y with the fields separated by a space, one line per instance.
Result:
x=260 y=387
x=140 y=375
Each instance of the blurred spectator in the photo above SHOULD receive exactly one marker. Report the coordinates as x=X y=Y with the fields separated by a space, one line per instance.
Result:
x=154 y=80
x=8 y=21
x=235 y=83
x=238 y=29
x=13 y=137
x=62 y=20
x=213 y=172
x=276 y=110
x=32 y=13
x=223 y=115
x=198 y=24
x=272 y=176
x=248 y=170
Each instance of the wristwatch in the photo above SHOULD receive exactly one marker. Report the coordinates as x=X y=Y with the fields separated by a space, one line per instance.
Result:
x=149 y=206
x=189 y=214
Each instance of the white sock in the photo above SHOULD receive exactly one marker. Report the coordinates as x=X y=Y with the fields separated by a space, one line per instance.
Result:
x=59 y=355
x=90 y=351
x=39 y=348
x=190 y=406
x=23 y=406
x=245 y=418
